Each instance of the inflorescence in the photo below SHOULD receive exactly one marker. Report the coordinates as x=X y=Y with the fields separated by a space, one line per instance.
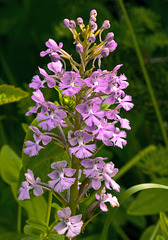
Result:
x=95 y=98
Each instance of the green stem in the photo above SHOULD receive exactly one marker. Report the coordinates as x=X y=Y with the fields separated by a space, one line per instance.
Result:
x=19 y=218
x=48 y=208
x=121 y=232
x=152 y=237
x=86 y=223
x=60 y=198
x=74 y=187
x=145 y=73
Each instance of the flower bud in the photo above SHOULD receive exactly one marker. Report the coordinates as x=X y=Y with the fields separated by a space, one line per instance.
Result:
x=105 y=52
x=79 y=21
x=106 y=24
x=72 y=24
x=92 y=18
x=93 y=13
x=111 y=45
x=91 y=38
x=92 y=26
x=66 y=23
x=109 y=36
x=79 y=48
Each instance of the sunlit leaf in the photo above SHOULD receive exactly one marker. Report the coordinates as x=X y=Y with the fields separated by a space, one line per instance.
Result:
x=9 y=94
x=150 y=201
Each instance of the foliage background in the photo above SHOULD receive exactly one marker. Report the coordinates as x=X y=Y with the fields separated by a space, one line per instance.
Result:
x=25 y=25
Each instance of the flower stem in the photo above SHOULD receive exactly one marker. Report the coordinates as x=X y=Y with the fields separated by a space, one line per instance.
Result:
x=74 y=187
x=60 y=197
x=19 y=218
x=48 y=208
x=145 y=73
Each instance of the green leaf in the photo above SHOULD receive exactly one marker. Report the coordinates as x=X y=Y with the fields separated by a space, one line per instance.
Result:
x=25 y=127
x=55 y=237
x=36 y=207
x=146 y=235
x=32 y=231
x=32 y=238
x=10 y=94
x=11 y=236
x=55 y=205
x=159 y=237
x=37 y=224
x=155 y=163
x=164 y=224
x=151 y=201
x=10 y=165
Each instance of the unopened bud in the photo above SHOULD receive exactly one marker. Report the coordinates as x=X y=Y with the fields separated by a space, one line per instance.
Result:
x=92 y=26
x=72 y=24
x=92 y=18
x=105 y=52
x=66 y=23
x=93 y=13
x=109 y=36
x=79 y=21
x=91 y=38
x=106 y=24
x=79 y=48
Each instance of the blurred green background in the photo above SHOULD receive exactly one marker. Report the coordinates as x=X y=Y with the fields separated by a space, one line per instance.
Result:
x=25 y=26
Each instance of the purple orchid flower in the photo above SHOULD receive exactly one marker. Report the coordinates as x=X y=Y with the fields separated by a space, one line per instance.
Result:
x=90 y=111
x=104 y=131
x=103 y=197
x=55 y=67
x=125 y=103
x=70 y=224
x=47 y=78
x=95 y=81
x=53 y=50
x=118 y=138
x=81 y=137
x=71 y=83
x=40 y=102
x=36 y=83
x=34 y=184
x=93 y=166
x=60 y=182
x=108 y=172
x=122 y=81
x=32 y=148
x=52 y=118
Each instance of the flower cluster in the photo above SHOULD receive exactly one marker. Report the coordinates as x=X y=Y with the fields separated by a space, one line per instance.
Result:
x=98 y=97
